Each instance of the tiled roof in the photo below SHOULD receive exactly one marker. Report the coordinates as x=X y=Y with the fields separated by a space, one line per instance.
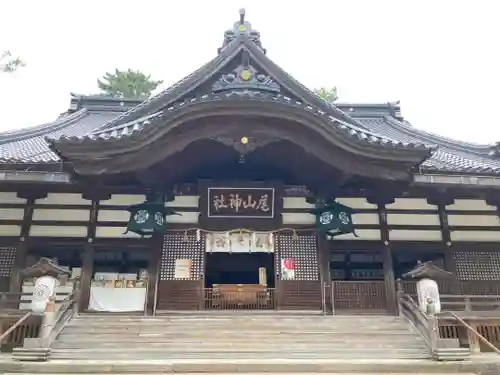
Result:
x=99 y=119
x=375 y=126
x=129 y=130
x=29 y=145
x=450 y=156
x=380 y=124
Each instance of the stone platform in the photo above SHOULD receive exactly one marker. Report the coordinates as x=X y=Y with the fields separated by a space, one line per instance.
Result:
x=487 y=365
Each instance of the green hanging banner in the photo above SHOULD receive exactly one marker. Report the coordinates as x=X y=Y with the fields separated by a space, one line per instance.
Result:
x=334 y=219
x=148 y=218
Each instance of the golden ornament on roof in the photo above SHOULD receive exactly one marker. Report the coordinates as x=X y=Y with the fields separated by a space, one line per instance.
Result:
x=246 y=75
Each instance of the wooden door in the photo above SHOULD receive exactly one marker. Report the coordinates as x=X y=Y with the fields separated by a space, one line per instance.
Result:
x=300 y=290
x=181 y=291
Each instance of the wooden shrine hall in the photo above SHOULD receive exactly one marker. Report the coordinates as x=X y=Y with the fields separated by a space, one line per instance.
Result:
x=240 y=188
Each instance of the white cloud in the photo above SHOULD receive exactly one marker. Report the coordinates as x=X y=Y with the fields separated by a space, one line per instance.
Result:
x=438 y=57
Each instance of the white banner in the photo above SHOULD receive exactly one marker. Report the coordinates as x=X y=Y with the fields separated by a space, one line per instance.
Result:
x=240 y=243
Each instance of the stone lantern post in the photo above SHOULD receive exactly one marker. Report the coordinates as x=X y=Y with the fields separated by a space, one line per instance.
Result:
x=48 y=276
x=426 y=275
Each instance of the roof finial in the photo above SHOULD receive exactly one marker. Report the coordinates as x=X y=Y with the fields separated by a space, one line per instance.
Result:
x=241 y=28
x=242 y=16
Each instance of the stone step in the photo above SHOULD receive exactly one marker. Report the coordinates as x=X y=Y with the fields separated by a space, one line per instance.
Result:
x=263 y=373
x=160 y=337
x=208 y=317
x=255 y=367
x=236 y=334
x=239 y=317
x=250 y=346
x=247 y=326
x=102 y=337
x=318 y=320
x=244 y=325
x=226 y=355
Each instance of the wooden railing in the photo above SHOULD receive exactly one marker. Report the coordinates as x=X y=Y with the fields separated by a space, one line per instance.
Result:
x=224 y=299
x=13 y=327
x=436 y=332
x=68 y=308
x=358 y=295
x=11 y=301
x=17 y=325
x=472 y=332
x=476 y=303
x=427 y=327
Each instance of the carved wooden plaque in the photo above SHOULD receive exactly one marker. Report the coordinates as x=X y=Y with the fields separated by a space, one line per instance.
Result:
x=241 y=202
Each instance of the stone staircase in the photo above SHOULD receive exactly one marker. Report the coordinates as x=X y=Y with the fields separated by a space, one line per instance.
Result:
x=238 y=336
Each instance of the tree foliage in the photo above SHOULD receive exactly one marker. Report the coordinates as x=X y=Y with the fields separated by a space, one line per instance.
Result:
x=9 y=64
x=128 y=84
x=328 y=94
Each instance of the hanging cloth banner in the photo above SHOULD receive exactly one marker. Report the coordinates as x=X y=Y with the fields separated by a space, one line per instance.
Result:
x=239 y=243
x=334 y=219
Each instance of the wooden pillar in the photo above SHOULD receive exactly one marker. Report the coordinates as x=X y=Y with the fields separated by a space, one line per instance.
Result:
x=324 y=270
x=389 y=278
x=441 y=199
x=23 y=244
x=88 y=257
x=323 y=252
x=155 y=250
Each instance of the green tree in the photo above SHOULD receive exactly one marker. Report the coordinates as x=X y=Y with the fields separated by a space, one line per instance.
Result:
x=9 y=64
x=328 y=94
x=127 y=84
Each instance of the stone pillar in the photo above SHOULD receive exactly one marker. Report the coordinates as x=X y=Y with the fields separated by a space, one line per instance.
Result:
x=48 y=321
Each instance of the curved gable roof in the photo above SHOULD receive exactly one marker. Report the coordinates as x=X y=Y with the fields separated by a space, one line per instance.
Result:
x=94 y=117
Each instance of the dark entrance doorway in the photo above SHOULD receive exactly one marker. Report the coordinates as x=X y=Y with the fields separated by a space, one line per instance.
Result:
x=239 y=280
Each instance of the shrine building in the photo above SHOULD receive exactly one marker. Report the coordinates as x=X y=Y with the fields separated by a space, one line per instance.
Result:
x=239 y=188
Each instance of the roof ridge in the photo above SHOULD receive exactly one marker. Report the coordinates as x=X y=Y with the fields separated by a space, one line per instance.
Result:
x=226 y=54
x=38 y=130
x=442 y=141
x=318 y=102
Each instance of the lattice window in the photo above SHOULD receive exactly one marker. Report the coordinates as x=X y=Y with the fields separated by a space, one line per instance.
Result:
x=478 y=265
x=7 y=258
x=302 y=251
x=176 y=247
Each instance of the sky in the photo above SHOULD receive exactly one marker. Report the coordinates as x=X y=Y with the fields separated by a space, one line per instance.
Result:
x=441 y=59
